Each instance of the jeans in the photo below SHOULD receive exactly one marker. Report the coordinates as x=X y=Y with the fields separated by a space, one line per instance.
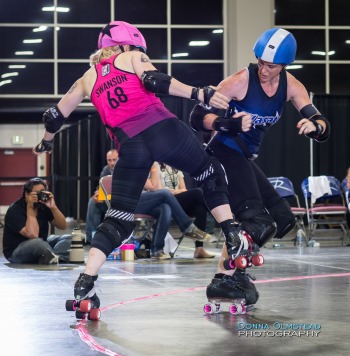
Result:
x=94 y=216
x=31 y=250
x=163 y=206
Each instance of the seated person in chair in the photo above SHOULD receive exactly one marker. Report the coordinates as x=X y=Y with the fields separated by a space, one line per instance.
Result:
x=96 y=209
x=191 y=201
x=163 y=206
x=26 y=229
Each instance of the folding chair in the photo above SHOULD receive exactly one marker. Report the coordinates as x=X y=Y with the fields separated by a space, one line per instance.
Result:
x=285 y=189
x=344 y=185
x=144 y=222
x=327 y=210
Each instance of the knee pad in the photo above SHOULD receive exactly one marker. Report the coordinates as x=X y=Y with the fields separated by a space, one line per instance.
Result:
x=212 y=179
x=111 y=233
x=280 y=211
x=257 y=222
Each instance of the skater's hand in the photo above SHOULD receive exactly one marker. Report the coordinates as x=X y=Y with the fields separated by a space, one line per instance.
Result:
x=246 y=120
x=43 y=146
x=219 y=101
x=306 y=126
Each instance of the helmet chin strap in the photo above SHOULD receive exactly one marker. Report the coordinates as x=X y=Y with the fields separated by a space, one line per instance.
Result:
x=121 y=48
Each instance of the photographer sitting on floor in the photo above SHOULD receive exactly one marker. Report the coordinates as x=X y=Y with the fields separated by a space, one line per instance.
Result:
x=26 y=229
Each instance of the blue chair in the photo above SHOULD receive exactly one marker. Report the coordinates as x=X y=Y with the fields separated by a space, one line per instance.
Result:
x=327 y=210
x=285 y=189
x=344 y=185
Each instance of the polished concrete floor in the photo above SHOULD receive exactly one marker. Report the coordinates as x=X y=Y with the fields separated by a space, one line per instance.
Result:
x=156 y=307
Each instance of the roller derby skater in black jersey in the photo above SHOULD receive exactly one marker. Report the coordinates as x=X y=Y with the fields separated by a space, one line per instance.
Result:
x=260 y=89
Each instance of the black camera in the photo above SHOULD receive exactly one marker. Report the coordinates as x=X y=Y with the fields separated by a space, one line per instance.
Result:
x=43 y=196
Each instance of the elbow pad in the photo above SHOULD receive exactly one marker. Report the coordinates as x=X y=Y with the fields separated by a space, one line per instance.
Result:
x=318 y=135
x=156 y=82
x=53 y=119
x=197 y=116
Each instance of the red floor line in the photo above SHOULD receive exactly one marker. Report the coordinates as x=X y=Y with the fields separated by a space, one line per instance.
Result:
x=297 y=278
x=88 y=339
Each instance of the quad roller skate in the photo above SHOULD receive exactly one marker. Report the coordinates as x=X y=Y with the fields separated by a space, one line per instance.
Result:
x=237 y=290
x=86 y=303
x=242 y=249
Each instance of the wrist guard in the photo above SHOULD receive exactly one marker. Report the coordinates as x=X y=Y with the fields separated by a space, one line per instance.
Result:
x=319 y=135
x=197 y=116
x=207 y=94
x=53 y=119
x=44 y=146
x=228 y=125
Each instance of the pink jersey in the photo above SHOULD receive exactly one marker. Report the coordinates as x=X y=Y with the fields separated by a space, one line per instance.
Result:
x=123 y=102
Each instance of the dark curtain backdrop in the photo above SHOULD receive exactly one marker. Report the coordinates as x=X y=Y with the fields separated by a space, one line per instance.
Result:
x=80 y=151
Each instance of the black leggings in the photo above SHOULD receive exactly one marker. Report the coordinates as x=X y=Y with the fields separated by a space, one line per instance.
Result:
x=170 y=141
x=246 y=181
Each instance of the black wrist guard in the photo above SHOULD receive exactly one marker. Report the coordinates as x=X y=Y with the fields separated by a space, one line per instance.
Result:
x=44 y=146
x=228 y=125
x=319 y=135
x=53 y=119
x=194 y=94
x=197 y=116
x=208 y=93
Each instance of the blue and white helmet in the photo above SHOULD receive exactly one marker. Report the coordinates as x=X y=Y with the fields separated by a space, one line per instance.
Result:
x=277 y=46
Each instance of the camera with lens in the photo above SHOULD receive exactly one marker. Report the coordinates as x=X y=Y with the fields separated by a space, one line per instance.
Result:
x=43 y=196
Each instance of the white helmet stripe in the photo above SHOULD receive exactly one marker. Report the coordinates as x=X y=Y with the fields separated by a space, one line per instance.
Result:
x=271 y=46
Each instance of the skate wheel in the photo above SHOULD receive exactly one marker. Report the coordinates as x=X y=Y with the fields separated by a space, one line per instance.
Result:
x=236 y=309
x=209 y=308
x=71 y=305
x=80 y=315
x=241 y=262
x=258 y=260
x=85 y=306
x=95 y=314
x=229 y=264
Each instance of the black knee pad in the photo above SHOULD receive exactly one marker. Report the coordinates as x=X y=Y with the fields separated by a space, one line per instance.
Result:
x=257 y=222
x=111 y=233
x=280 y=211
x=212 y=179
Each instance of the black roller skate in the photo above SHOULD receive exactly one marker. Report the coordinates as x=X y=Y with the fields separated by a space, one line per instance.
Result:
x=242 y=249
x=238 y=290
x=86 y=303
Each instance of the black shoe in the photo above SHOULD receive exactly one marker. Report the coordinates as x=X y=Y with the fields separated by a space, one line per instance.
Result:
x=239 y=286
x=84 y=287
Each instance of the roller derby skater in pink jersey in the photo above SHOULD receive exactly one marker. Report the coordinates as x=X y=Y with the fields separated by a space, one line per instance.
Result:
x=122 y=84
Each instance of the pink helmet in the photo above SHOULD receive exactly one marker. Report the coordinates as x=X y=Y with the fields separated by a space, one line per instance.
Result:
x=121 y=33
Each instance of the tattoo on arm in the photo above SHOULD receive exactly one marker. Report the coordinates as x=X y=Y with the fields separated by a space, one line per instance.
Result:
x=73 y=87
x=144 y=58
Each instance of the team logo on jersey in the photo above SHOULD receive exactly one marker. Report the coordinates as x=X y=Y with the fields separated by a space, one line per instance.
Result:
x=106 y=70
x=264 y=120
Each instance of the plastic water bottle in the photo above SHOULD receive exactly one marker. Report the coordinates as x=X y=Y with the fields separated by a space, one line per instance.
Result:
x=300 y=238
